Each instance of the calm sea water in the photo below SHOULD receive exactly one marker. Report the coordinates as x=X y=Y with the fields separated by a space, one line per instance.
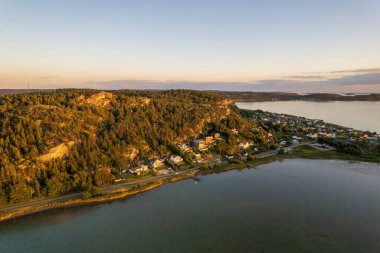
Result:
x=360 y=115
x=289 y=206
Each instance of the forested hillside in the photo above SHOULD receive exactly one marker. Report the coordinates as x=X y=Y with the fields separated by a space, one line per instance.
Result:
x=71 y=140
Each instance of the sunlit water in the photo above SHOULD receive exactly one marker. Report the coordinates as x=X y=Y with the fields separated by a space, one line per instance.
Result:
x=362 y=115
x=290 y=206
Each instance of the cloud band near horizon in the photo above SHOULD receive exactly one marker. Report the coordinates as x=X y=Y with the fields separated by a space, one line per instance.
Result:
x=364 y=80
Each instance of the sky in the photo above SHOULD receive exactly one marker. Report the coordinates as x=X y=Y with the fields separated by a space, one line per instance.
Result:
x=256 y=45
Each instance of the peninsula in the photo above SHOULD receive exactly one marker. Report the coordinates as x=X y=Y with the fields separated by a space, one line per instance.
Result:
x=70 y=147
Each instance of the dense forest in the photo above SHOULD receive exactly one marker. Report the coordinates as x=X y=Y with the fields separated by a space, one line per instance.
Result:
x=52 y=143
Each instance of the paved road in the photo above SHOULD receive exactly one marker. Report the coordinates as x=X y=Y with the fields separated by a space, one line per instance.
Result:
x=75 y=195
x=286 y=149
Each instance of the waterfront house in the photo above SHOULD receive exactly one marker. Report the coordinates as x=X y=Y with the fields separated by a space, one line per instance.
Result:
x=176 y=159
x=156 y=162
x=163 y=172
x=139 y=169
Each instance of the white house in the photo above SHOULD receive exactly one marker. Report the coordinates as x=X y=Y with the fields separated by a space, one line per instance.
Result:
x=244 y=144
x=156 y=162
x=138 y=170
x=176 y=159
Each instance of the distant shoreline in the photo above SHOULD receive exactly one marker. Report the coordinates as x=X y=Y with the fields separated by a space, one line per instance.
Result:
x=249 y=96
x=241 y=96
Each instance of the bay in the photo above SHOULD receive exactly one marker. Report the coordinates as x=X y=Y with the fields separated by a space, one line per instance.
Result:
x=286 y=206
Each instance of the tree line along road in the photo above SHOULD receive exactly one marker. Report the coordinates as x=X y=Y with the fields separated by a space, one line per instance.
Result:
x=115 y=186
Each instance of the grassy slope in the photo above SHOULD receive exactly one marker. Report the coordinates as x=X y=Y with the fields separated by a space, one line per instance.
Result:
x=311 y=153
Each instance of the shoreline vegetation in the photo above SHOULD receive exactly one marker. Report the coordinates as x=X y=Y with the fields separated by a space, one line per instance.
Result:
x=300 y=152
x=103 y=197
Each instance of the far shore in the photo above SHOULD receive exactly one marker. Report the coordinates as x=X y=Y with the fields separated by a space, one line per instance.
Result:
x=123 y=190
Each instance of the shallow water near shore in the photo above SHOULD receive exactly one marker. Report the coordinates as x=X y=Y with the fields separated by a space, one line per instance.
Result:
x=290 y=206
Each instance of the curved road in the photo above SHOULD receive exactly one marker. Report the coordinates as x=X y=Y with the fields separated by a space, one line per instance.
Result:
x=74 y=195
x=115 y=186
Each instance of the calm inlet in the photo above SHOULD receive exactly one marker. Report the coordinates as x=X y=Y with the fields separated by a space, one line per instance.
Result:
x=289 y=206
x=361 y=115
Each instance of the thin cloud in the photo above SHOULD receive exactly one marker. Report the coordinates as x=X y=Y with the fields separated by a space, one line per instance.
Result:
x=306 y=77
x=362 y=79
x=369 y=70
x=47 y=77
x=290 y=83
x=357 y=80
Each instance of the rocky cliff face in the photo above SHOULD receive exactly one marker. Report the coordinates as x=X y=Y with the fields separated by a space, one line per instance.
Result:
x=99 y=99
x=58 y=151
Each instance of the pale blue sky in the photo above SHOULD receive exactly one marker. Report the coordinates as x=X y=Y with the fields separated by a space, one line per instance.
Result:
x=86 y=42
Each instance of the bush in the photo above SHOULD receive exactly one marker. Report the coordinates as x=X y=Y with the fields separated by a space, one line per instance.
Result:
x=86 y=195
x=95 y=191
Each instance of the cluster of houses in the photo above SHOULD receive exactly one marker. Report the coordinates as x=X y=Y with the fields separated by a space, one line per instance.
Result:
x=298 y=129
x=195 y=147
x=206 y=143
x=291 y=122
x=156 y=165
x=303 y=128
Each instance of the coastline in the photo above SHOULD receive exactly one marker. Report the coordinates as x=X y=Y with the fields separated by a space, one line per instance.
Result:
x=116 y=193
x=106 y=196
